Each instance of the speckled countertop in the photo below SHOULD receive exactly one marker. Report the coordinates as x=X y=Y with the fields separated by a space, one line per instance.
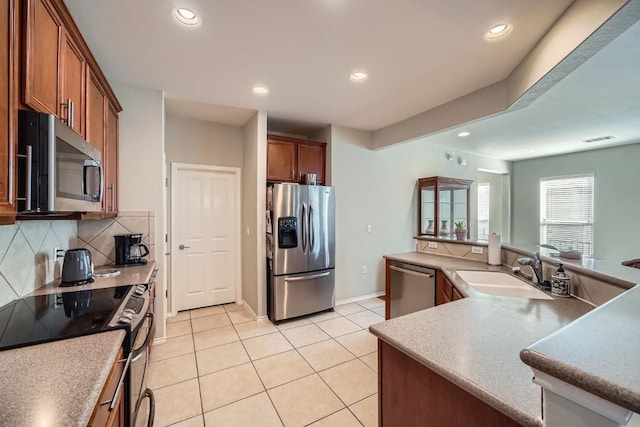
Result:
x=475 y=342
x=56 y=383
x=133 y=275
x=598 y=352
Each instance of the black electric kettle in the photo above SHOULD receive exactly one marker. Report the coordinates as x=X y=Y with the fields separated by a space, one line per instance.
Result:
x=77 y=268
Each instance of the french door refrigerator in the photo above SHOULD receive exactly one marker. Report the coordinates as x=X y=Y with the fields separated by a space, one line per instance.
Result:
x=300 y=250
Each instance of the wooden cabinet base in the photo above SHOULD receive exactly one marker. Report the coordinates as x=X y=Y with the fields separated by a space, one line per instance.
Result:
x=412 y=395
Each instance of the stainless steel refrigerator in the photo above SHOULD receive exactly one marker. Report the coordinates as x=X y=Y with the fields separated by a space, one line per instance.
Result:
x=300 y=250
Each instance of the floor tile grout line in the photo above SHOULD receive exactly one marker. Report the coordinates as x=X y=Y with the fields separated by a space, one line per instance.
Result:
x=195 y=354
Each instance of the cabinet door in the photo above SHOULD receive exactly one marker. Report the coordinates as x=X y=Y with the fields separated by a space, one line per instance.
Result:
x=311 y=159
x=43 y=33
x=72 y=84
x=110 y=159
x=8 y=115
x=96 y=113
x=281 y=160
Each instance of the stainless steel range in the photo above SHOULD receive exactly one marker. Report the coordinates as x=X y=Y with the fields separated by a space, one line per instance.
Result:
x=44 y=318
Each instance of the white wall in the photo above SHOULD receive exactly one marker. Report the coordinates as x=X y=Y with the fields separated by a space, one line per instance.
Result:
x=141 y=169
x=196 y=141
x=254 y=180
x=617 y=203
x=380 y=188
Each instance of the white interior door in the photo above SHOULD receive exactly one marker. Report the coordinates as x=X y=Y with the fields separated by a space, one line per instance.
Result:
x=205 y=235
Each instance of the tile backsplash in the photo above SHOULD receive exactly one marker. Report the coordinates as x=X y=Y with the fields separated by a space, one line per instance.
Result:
x=26 y=254
x=97 y=235
x=453 y=248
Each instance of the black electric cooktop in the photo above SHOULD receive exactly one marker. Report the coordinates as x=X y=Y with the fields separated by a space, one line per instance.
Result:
x=44 y=318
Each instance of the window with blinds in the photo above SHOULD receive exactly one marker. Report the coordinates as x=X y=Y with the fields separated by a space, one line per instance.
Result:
x=484 y=191
x=566 y=212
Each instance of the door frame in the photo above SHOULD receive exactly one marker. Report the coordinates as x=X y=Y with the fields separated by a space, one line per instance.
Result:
x=237 y=174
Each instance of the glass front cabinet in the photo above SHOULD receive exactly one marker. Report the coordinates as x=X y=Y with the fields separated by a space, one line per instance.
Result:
x=441 y=203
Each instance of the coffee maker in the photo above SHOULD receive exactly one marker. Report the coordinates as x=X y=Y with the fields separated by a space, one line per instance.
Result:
x=130 y=250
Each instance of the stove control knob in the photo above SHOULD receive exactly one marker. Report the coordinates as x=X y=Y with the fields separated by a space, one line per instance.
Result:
x=128 y=311
x=124 y=320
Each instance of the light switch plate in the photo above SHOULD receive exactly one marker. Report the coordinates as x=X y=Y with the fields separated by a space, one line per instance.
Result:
x=476 y=250
x=433 y=245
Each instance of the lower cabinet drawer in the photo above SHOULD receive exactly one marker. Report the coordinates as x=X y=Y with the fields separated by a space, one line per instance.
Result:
x=102 y=416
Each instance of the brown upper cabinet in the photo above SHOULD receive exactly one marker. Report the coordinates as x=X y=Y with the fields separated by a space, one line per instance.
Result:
x=72 y=84
x=8 y=116
x=60 y=77
x=42 y=52
x=289 y=159
x=441 y=203
x=110 y=204
x=55 y=66
x=96 y=113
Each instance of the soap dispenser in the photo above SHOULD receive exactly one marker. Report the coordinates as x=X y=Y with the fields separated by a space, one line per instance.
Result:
x=560 y=283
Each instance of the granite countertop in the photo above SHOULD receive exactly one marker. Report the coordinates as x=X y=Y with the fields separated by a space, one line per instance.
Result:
x=56 y=383
x=475 y=342
x=133 y=275
x=597 y=353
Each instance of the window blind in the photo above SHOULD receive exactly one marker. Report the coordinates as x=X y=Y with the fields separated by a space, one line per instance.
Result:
x=566 y=212
x=484 y=191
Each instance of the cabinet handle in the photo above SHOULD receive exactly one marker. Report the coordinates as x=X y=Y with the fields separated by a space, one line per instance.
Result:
x=113 y=198
x=72 y=107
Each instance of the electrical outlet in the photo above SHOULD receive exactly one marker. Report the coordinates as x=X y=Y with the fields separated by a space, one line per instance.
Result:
x=433 y=245
x=476 y=250
x=369 y=228
x=56 y=254
x=364 y=269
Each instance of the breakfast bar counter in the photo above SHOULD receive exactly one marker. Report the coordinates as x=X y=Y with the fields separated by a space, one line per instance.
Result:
x=475 y=342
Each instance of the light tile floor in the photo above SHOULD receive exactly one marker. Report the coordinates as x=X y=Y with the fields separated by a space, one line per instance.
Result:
x=221 y=367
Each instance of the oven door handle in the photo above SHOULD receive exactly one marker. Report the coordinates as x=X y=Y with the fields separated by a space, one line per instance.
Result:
x=138 y=352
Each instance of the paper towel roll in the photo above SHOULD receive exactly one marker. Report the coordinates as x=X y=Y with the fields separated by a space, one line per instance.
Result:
x=494 y=249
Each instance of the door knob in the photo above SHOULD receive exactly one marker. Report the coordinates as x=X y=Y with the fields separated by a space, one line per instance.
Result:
x=183 y=247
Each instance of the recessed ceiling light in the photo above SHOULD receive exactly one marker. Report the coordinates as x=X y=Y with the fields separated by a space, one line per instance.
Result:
x=260 y=90
x=186 y=16
x=464 y=134
x=498 y=31
x=358 y=76
x=530 y=151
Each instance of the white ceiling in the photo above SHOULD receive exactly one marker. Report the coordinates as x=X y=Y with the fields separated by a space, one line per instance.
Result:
x=419 y=54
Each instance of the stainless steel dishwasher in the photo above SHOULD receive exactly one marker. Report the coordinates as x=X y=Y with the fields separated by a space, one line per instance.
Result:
x=412 y=288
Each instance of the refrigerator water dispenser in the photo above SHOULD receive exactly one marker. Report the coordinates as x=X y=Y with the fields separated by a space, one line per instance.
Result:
x=288 y=232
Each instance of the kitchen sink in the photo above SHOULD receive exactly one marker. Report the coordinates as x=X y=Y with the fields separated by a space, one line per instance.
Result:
x=500 y=284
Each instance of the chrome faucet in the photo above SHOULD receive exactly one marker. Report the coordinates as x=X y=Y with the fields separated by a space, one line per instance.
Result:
x=536 y=266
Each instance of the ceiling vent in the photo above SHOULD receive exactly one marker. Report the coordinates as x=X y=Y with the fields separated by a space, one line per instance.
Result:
x=602 y=138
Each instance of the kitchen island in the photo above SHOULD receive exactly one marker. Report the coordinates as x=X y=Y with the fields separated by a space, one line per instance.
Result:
x=474 y=343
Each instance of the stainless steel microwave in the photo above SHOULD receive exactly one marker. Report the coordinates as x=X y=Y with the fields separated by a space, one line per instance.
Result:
x=58 y=171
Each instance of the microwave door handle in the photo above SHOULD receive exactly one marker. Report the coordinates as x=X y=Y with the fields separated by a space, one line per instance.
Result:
x=28 y=181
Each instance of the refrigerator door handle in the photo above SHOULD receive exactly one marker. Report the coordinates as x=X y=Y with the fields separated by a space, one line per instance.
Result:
x=312 y=234
x=301 y=278
x=304 y=228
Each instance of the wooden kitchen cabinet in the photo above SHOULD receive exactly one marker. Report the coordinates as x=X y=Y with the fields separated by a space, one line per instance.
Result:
x=444 y=289
x=102 y=416
x=311 y=159
x=289 y=159
x=8 y=114
x=96 y=113
x=42 y=50
x=73 y=68
x=410 y=394
x=110 y=159
x=281 y=159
